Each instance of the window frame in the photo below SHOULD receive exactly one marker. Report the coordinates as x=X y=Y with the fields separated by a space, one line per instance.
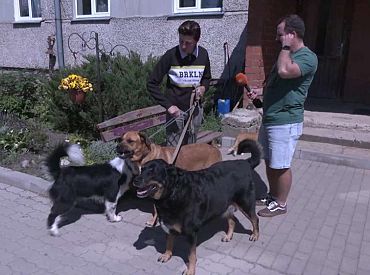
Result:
x=93 y=14
x=196 y=9
x=29 y=18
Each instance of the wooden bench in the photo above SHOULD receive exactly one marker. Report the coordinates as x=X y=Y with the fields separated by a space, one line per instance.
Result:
x=142 y=119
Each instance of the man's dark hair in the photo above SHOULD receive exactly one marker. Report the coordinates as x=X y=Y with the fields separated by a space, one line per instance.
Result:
x=293 y=23
x=190 y=28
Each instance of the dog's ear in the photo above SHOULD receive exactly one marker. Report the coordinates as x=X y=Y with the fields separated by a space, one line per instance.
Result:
x=145 y=139
x=171 y=172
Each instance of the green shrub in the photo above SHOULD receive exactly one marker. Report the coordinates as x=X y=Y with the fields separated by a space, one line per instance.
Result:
x=23 y=95
x=208 y=103
x=123 y=89
x=8 y=157
x=78 y=139
x=157 y=134
x=211 y=122
x=100 y=152
x=36 y=139
x=14 y=140
x=23 y=140
x=19 y=135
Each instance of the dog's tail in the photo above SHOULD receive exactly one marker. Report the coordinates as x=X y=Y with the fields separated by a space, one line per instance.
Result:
x=253 y=147
x=72 y=151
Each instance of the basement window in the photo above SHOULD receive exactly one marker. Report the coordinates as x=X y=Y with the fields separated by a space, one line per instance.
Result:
x=197 y=6
x=92 y=8
x=27 y=10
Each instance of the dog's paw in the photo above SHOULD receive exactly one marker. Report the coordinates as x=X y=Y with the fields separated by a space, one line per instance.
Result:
x=165 y=257
x=254 y=237
x=188 y=272
x=115 y=218
x=54 y=232
x=226 y=238
x=151 y=223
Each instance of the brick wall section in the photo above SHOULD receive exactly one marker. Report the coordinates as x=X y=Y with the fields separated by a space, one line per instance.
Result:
x=262 y=49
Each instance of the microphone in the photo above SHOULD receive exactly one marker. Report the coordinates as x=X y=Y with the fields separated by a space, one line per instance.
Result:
x=242 y=80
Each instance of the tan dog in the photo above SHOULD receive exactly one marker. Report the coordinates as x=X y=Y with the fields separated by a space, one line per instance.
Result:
x=191 y=157
x=240 y=137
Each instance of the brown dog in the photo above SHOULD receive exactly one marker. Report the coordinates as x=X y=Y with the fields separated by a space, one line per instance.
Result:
x=191 y=157
x=240 y=137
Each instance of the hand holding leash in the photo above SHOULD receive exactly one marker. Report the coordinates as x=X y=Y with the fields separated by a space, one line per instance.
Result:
x=199 y=92
x=174 y=111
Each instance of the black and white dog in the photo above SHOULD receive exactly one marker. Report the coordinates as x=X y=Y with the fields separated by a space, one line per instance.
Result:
x=107 y=181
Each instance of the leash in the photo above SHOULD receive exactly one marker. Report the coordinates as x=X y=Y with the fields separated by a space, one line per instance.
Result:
x=193 y=104
x=168 y=123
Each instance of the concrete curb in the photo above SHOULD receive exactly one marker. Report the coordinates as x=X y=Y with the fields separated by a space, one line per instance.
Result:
x=337 y=159
x=24 y=181
x=41 y=186
x=352 y=138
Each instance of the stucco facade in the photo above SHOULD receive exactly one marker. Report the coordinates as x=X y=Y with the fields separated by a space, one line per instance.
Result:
x=147 y=27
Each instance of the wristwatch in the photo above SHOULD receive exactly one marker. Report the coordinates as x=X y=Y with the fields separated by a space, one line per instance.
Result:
x=287 y=48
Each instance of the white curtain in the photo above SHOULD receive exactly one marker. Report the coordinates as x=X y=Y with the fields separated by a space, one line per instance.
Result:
x=23 y=8
x=211 y=4
x=36 y=8
x=101 y=5
x=187 y=3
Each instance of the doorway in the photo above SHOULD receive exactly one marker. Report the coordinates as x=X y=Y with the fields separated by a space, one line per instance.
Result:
x=328 y=27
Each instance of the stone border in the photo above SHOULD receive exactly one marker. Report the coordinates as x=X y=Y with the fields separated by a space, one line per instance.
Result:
x=24 y=181
x=337 y=159
x=41 y=186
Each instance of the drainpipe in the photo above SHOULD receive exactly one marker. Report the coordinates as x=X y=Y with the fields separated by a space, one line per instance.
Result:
x=59 y=34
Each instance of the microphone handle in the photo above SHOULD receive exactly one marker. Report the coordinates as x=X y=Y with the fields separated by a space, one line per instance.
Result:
x=256 y=102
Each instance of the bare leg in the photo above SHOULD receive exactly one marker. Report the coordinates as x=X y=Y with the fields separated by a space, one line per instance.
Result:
x=169 y=247
x=280 y=181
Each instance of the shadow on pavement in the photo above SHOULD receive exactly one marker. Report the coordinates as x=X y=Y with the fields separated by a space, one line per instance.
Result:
x=88 y=207
x=130 y=201
x=85 y=207
x=156 y=237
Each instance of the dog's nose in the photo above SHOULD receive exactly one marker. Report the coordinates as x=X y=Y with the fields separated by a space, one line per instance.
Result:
x=137 y=182
x=119 y=150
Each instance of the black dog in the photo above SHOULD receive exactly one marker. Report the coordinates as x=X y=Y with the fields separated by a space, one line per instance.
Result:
x=108 y=181
x=187 y=200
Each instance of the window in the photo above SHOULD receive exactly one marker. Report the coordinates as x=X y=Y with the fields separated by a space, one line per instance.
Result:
x=92 y=8
x=27 y=10
x=191 y=6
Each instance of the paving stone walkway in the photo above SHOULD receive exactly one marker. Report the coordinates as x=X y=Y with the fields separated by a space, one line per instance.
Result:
x=326 y=231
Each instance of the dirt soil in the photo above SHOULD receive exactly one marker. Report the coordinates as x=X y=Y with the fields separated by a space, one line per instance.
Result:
x=29 y=162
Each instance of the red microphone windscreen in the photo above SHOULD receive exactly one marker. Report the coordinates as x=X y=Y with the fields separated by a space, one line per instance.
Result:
x=241 y=79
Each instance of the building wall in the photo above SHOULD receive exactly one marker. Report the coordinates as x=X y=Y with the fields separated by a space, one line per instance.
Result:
x=262 y=49
x=357 y=77
x=147 y=27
